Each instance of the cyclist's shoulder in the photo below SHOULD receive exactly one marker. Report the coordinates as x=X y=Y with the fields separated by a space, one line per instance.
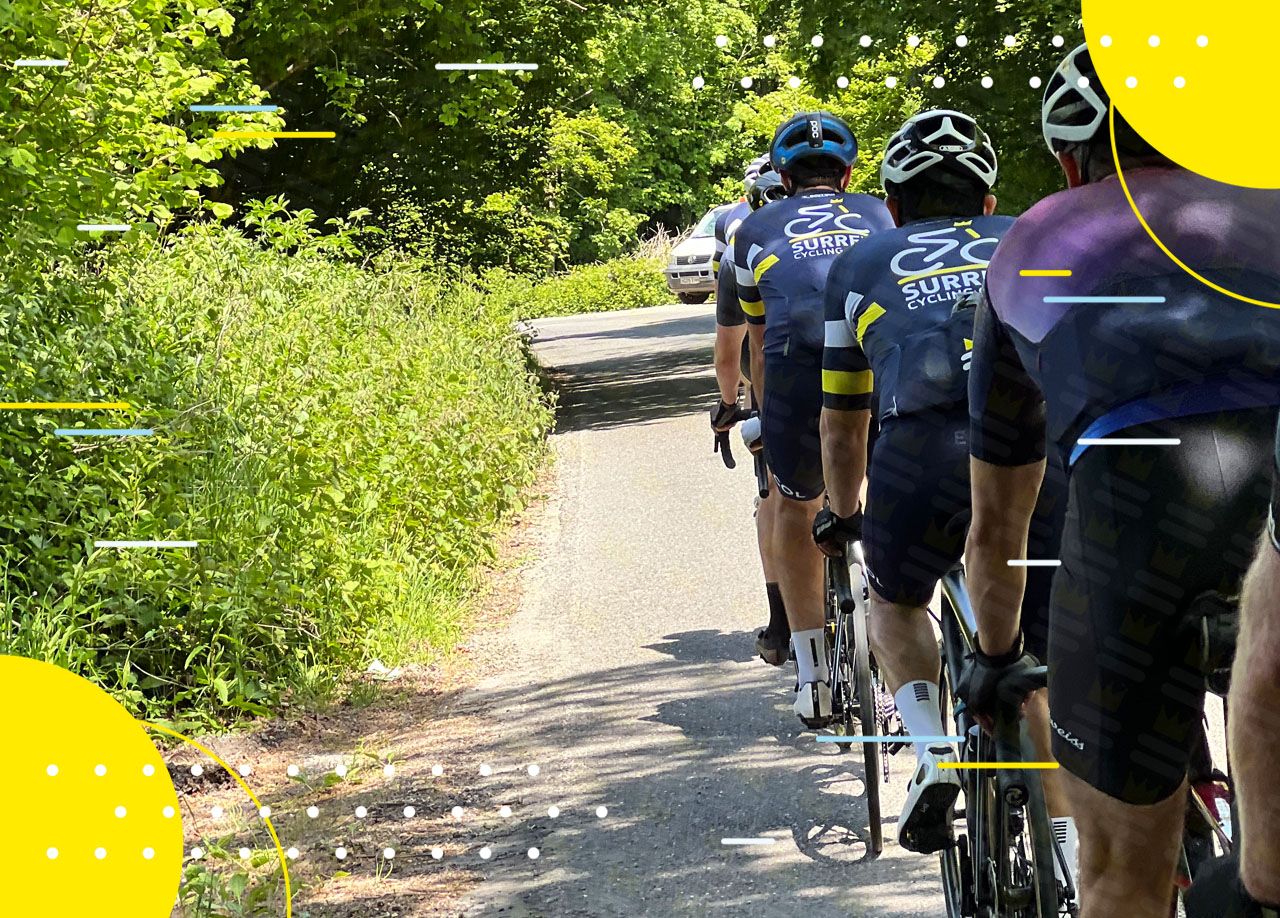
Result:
x=866 y=204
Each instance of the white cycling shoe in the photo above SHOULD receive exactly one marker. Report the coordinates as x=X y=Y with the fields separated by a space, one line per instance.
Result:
x=813 y=705
x=925 y=825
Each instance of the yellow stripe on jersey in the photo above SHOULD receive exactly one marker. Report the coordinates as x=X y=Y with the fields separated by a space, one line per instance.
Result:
x=765 y=266
x=968 y=344
x=928 y=274
x=844 y=382
x=753 y=309
x=974 y=233
x=874 y=311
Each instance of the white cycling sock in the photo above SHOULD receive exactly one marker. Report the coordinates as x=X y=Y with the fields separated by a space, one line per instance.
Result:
x=811 y=655
x=1064 y=831
x=918 y=703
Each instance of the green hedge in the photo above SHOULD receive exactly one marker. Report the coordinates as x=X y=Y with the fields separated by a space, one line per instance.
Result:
x=341 y=441
x=629 y=282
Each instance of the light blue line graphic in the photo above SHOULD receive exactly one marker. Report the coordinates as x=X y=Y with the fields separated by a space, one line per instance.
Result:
x=747 y=841
x=103 y=227
x=40 y=62
x=105 y=432
x=890 y=739
x=1104 y=299
x=234 y=108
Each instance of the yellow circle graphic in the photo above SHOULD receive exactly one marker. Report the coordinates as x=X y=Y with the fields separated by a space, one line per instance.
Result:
x=1133 y=205
x=91 y=821
x=1193 y=80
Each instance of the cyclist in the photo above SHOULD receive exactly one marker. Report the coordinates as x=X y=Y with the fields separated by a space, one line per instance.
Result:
x=1126 y=344
x=899 y=311
x=1251 y=730
x=782 y=254
x=728 y=219
x=732 y=362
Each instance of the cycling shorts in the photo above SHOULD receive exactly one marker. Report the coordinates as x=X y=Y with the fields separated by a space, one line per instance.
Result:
x=792 y=410
x=1148 y=530
x=918 y=486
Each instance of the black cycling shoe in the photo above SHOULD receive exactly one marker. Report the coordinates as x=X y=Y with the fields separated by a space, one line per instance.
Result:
x=774 y=648
x=1218 y=893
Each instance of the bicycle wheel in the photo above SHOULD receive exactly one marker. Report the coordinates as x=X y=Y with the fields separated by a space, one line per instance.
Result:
x=956 y=862
x=839 y=658
x=1028 y=887
x=865 y=693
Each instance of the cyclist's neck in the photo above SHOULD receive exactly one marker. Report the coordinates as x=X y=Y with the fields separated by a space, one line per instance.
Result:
x=817 y=189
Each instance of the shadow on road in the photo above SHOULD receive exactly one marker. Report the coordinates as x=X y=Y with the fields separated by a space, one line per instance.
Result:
x=623 y=390
x=670 y=797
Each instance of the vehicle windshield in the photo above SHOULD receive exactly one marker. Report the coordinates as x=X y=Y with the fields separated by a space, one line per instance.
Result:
x=707 y=225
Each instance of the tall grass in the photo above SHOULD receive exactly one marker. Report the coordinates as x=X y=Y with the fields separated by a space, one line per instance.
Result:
x=629 y=282
x=342 y=441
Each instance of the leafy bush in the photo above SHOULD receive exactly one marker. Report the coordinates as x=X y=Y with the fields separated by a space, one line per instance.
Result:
x=341 y=441
x=629 y=282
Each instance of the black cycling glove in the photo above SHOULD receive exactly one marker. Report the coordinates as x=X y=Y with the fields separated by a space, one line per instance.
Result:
x=832 y=533
x=724 y=416
x=980 y=679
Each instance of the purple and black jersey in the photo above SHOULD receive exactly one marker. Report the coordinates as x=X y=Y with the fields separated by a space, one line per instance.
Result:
x=1126 y=337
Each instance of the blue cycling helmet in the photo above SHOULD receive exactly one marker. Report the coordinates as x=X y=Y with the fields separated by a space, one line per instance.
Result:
x=807 y=135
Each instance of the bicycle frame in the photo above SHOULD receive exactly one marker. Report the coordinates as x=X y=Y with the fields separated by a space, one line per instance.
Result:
x=1000 y=805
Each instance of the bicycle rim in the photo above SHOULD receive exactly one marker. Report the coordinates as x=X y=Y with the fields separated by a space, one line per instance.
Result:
x=956 y=861
x=871 y=752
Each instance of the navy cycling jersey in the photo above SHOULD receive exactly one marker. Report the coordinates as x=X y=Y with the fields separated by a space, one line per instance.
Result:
x=727 y=222
x=782 y=254
x=1086 y=327
x=891 y=320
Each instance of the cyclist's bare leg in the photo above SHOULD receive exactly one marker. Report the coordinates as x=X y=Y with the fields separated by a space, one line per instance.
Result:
x=1128 y=854
x=1255 y=725
x=798 y=561
x=1037 y=714
x=765 y=525
x=903 y=641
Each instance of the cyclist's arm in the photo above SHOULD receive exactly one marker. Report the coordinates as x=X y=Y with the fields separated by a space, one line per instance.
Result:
x=847 y=384
x=729 y=360
x=1004 y=497
x=1007 y=447
x=757 y=363
x=731 y=328
x=752 y=302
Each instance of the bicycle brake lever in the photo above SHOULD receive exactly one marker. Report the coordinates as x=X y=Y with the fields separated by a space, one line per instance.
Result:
x=725 y=450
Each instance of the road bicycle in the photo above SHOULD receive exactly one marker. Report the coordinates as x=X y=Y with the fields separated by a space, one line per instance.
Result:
x=1001 y=862
x=861 y=703
x=1212 y=809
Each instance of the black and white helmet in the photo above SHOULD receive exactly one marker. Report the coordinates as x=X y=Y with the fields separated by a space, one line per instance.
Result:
x=754 y=168
x=1075 y=102
x=940 y=140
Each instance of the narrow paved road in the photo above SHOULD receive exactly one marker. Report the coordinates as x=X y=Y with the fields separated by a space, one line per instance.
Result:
x=632 y=682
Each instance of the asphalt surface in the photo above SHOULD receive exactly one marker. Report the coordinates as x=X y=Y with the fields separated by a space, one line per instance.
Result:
x=632 y=682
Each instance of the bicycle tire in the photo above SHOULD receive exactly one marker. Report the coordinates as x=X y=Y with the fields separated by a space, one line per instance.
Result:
x=1036 y=853
x=956 y=862
x=865 y=692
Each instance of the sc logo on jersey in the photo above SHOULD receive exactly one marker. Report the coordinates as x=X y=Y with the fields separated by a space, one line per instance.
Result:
x=929 y=251
x=823 y=218
x=819 y=231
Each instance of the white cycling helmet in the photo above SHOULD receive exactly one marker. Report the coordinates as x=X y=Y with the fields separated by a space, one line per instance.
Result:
x=1075 y=102
x=942 y=140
